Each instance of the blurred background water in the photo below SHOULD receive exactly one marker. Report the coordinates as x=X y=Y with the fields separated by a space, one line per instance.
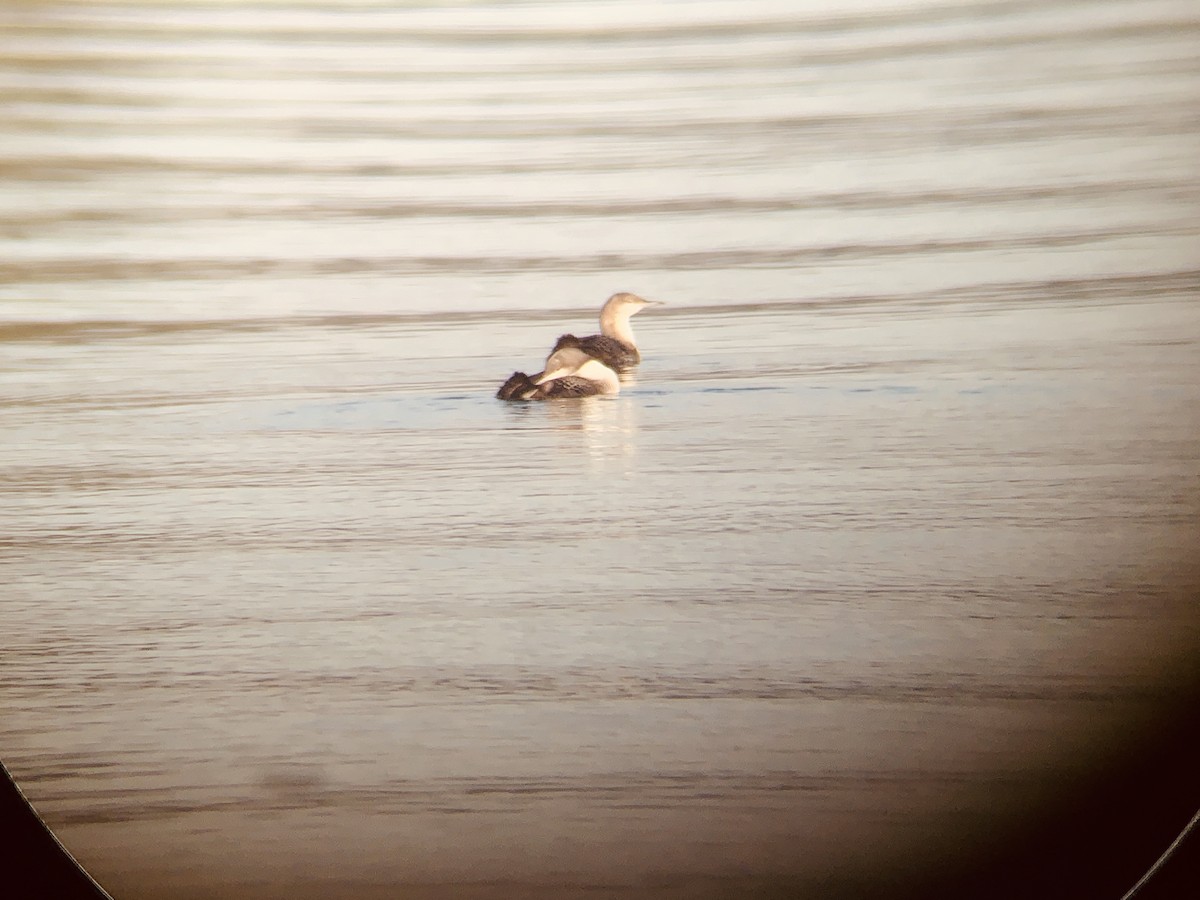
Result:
x=892 y=531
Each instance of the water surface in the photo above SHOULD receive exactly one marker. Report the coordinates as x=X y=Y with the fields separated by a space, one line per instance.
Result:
x=892 y=531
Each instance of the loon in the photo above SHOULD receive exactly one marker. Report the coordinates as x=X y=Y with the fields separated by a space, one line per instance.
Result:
x=569 y=372
x=614 y=345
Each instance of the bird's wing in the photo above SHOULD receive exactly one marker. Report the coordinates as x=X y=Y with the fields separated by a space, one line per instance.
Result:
x=608 y=350
x=569 y=386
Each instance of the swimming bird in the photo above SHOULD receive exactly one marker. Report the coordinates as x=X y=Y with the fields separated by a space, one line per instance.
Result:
x=614 y=345
x=569 y=372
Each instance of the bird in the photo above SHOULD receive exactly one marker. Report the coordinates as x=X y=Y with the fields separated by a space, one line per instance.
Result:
x=569 y=372
x=614 y=345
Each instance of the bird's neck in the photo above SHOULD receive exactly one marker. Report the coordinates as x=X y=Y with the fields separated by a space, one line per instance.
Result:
x=615 y=324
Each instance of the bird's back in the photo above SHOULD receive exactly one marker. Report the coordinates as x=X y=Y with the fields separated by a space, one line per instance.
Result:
x=609 y=351
x=569 y=386
x=521 y=387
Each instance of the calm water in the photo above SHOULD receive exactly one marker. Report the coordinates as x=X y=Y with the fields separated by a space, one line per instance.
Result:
x=892 y=529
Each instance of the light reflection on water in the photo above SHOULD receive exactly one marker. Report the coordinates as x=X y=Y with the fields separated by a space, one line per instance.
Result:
x=894 y=519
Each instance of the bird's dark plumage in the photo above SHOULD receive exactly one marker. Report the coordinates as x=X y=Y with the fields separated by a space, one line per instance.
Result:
x=518 y=383
x=608 y=350
x=570 y=386
x=521 y=387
